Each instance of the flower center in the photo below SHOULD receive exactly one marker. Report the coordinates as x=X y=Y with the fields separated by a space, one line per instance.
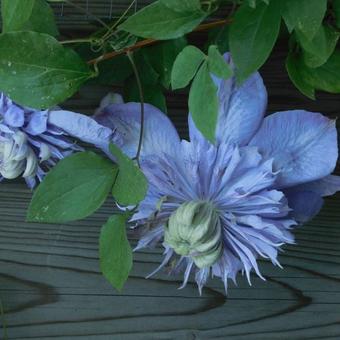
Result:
x=194 y=230
x=16 y=157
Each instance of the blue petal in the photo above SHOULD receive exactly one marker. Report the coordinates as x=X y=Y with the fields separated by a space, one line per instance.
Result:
x=82 y=127
x=305 y=204
x=303 y=145
x=326 y=186
x=14 y=116
x=37 y=123
x=159 y=133
x=241 y=109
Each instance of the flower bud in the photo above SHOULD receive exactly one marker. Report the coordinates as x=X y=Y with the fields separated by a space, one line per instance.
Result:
x=194 y=230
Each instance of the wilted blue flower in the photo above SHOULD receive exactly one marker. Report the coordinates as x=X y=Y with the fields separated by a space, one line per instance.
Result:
x=218 y=208
x=32 y=141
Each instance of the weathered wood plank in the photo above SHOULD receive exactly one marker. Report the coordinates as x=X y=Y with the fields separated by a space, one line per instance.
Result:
x=52 y=289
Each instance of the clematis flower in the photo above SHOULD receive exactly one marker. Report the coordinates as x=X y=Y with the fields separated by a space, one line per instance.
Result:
x=32 y=141
x=218 y=208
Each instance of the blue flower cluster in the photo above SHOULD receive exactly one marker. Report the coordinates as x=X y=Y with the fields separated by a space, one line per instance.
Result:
x=215 y=208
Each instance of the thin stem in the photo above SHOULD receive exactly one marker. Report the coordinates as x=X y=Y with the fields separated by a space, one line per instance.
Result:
x=87 y=13
x=76 y=41
x=141 y=97
x=109 y=32
x=148 y=42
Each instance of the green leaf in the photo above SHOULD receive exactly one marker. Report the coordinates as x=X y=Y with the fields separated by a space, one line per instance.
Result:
x=253 y=3
x=320 y=48
x=217 y=65
x=74 y=189
x=152 y=94
x=114 y=71
x=220 y=38
x=186 y=66
x=162 y=57
x=324 y=78
x=28 y=15
x=148 y=75
x=203 y=103
x=182 y=5
x=294 y=66
x=158 y=21
x=304 y=15
x=37 y=71
x=253 y=35
x=131 y=185
x=115 y=252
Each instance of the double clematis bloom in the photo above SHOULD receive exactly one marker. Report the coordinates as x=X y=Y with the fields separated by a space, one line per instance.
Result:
x=219 y=207
x=32 y=141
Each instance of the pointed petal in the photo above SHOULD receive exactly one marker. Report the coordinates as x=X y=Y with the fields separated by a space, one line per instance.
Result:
x=82 y=127
x=241 y=109
x=38 y=123
x=303 y=145
x=159 y=133
x=326 y=186
x=305 y=204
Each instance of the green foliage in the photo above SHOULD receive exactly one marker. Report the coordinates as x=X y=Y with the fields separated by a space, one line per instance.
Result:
x=115 y=252
x=37 y=71
x=253 y=35
x=190 y=64
x=152 y=93
x=217 y=64
x=160 y=21
x=151 y=82
x=308 y=80
x=162 y=57
x=319 y=49
x=294 y=67
x=114 y=71
x=220 y=38
x=74 y=189
x=28 y=15
x=182 y=5
x=304 y=16
x=203 y=110
x=130 y=186
x=186 y=66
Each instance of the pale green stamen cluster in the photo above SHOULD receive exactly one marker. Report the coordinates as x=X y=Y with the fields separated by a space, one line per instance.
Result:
x=17 y=157
x=194 y=230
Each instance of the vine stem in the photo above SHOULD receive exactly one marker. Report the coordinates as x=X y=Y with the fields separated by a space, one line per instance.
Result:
x=147 y=42
x=141 y=97
x=76 y=41
x=109 y=32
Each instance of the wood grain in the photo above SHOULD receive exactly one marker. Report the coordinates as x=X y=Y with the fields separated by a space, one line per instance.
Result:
x=51 y=287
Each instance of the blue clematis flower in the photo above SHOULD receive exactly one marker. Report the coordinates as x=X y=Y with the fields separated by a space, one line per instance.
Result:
x=218 y=208
x=32 y=141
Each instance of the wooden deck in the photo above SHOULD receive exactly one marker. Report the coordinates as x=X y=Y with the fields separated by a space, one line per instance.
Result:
x=51 y=287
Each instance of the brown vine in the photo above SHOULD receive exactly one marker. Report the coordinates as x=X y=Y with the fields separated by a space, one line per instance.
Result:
x=148 y=42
